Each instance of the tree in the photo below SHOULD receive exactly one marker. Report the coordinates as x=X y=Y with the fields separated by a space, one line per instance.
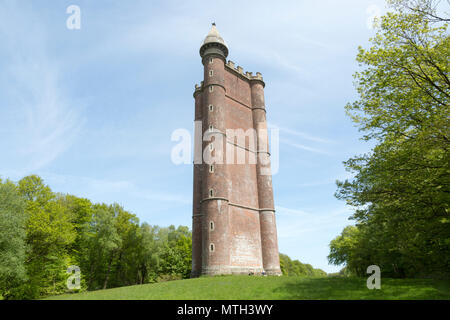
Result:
x=350 y=248
x=50 y=233
x=147 y=260
x=427 y=9
x=81 y=212
x=291 y=267
x=33 y=189
x=174 y=256
x=400 y=190
x=101 y=243
x=122 y=265
x=12 y=238
x=43 y=233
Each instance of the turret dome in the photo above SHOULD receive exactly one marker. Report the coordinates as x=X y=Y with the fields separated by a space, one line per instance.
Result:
x=214 y=43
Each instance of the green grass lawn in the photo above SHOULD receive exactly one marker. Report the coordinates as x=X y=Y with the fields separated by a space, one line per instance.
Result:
x=261 y=288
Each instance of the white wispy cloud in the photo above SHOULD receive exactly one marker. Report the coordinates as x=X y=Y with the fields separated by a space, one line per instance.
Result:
x=303 y=147
x=46 y=119
x=173 y=32
x=51 y=123
x=292 y=223
x=105 y=188
x=300 y=134
x=328 y=181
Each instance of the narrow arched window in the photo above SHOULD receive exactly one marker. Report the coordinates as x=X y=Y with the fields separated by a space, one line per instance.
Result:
x=211 y=88
x=211 y=192
x=210 y=60
x=211 y=72
x=211 y=226
x=211 y=168
x=211 y=247
x=211 y=107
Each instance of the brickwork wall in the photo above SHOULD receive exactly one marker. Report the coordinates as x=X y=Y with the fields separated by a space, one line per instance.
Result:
x=234 y=227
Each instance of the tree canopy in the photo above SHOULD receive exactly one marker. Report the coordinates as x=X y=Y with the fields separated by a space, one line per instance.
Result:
x=400 y=190
x=43 y=233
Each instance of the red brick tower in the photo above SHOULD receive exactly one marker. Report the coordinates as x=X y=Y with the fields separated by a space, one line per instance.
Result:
x=233 y=229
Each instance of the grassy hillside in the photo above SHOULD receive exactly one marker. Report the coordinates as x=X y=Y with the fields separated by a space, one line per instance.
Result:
x=245 y=287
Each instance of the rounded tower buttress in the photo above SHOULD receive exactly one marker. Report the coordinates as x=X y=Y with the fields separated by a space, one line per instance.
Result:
x=269 y=241
x=197 y=193
x=215 y=189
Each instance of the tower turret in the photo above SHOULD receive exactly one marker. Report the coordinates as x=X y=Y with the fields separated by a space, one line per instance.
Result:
x=214 y=44
x=215 y=197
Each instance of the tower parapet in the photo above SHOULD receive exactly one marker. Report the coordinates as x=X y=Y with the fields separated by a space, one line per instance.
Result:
x=240 y=71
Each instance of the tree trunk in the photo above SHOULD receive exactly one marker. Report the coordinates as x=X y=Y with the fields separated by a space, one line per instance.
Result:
x=91 y=276
x=108 y=272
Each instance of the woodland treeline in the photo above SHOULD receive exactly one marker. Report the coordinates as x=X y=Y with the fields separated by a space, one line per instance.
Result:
x=296 y=268
x=43 y=233
x=400 y=189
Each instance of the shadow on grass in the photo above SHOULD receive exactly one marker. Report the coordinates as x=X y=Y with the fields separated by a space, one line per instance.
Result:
x=334 y=288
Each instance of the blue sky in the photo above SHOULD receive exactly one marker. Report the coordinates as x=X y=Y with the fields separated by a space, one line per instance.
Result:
x=92 y=110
